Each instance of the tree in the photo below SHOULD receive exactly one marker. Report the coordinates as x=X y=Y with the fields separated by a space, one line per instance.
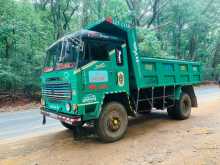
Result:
x=186 y=29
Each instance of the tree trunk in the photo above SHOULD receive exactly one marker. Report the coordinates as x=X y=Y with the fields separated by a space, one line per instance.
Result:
x=178 y=38
x=192 y=47
x=85 y=14
x=216 y=59
x=7 y=47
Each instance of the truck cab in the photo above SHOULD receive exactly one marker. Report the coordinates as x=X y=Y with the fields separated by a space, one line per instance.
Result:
x=79 y=70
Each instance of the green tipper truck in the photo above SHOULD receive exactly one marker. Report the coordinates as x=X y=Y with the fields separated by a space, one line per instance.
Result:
x=98 y=77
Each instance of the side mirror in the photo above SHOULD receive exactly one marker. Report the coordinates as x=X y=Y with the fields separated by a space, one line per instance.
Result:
x=119 y=56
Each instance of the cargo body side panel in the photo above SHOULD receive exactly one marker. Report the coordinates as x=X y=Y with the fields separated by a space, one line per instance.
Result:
x=164 y=72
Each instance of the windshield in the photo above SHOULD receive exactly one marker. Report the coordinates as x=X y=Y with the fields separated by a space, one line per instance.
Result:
x=63 y=54
x=74 y=52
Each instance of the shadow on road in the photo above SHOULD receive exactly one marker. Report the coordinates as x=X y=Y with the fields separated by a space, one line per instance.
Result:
x=159 y=116
x=140 y=125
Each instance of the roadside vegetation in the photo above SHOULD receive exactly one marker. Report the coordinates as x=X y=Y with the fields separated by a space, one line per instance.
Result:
x=187 y=29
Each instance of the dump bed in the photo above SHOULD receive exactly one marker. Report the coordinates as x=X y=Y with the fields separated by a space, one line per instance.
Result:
x=164 y=72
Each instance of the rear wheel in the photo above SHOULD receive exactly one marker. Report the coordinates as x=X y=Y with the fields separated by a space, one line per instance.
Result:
x=112 y=123
x=182 y=108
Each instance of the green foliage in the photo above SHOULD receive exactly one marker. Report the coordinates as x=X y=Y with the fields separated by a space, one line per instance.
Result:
x=186 y=29
x=208 y=73
x=23 y=39
x=217 y=72
x=150 y=45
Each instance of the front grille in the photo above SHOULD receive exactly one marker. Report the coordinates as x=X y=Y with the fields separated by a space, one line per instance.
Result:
x=57 y=90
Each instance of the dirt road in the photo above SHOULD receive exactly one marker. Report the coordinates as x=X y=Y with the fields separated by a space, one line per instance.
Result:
x=152 y=139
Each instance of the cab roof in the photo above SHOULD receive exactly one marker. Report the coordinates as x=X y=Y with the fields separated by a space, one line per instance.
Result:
x=88 y=35
x=111 y=27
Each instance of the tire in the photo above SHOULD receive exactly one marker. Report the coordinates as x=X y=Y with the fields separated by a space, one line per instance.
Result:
x=182 y=108
x=68 y=126
x=112 y=123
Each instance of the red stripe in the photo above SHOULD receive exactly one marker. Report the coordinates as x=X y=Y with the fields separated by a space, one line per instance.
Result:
x=92 y=87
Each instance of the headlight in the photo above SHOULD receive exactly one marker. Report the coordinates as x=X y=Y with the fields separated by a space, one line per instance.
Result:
x=68 y=107
x=42 y=102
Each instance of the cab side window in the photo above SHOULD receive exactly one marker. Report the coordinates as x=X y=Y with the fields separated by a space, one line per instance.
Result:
x=99 y=53
x=93 y=52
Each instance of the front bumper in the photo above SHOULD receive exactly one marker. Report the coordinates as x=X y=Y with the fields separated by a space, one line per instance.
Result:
x=72 y=120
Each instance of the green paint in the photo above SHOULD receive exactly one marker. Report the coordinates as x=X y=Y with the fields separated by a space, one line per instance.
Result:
x=90 y=83
x=178 y=92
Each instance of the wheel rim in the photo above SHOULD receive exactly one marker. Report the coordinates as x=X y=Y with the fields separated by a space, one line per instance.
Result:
x=114 y=123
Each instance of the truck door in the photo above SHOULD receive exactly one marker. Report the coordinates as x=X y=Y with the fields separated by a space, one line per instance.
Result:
x=98 y=78
x=110 y=74
x=120 y=68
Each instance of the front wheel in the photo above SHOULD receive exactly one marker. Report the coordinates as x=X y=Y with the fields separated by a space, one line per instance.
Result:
x=182 y=108
x=112 y=123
